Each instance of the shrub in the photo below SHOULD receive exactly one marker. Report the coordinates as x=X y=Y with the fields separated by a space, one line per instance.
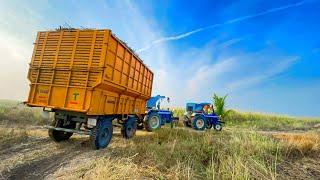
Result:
x=219 y=103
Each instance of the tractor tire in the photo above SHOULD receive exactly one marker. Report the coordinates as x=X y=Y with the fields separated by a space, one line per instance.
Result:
x=218 y=127
x=59 y=136
x=101 y=134
x=199 y=123
x=186 y=122
x=152 y=122
x=129 y=128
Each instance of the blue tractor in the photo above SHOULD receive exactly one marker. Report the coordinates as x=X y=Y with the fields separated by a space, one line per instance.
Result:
x=201 y=116
x=155 y=116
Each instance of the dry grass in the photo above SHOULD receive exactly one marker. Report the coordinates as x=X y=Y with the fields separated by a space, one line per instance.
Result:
x=181 y=154
x=305 y=143
x=9 y=136
x=235 y=153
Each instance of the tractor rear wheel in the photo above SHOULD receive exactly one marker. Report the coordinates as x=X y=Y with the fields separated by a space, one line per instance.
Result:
x=152 y=121
x=101 y=135
x=199 y=123
x=58 y=136
x=129 y=128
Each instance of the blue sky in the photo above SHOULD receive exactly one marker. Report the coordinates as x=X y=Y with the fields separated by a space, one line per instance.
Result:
x=264 y=54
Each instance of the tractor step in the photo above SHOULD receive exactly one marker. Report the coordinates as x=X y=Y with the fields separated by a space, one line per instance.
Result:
x=69 y=130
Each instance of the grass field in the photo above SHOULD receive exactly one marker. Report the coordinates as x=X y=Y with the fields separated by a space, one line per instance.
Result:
x=251 y=146
x=269 y=121
x=16 y=113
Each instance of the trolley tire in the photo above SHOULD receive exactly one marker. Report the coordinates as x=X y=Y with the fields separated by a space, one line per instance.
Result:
x=59 y=136
x=129 y=128
x=101 y=134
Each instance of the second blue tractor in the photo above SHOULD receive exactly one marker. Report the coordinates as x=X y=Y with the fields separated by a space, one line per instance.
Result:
x=201 y=116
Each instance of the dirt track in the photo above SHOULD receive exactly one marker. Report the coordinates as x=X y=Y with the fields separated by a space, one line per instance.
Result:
x=39 y=157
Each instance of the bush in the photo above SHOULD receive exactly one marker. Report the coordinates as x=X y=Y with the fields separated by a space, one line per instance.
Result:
x=219 y=103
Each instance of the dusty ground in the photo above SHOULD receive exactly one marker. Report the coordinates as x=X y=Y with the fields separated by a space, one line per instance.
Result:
x=38 y=157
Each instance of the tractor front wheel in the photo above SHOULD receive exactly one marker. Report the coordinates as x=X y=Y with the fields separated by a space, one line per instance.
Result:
x=129 y=128
x=101 y=134
x=218 y=127
x=152 y=121
x=199 y=123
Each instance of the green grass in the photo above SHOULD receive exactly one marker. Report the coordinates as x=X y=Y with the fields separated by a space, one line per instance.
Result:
x=269 y=122
x=260 y=121
x=178 y=112
x=16 y=113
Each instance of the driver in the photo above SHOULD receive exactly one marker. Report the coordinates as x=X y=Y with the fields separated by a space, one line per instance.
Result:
x=206 y=109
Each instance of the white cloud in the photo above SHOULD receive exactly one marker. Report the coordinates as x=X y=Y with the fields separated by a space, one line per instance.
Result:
x=277 y=68
x=208 y=74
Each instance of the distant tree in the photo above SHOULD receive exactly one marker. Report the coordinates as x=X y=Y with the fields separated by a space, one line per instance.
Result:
x=219 y=103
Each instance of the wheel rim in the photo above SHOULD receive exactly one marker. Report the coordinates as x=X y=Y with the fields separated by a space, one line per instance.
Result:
x=200 y=123
x=103 y=137
x=218 y=127
x=129 y=130
x=154 y=122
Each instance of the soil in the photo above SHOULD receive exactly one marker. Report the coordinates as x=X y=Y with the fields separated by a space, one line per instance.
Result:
x=39 y=157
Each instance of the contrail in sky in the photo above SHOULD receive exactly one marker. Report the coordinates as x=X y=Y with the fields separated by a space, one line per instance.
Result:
x=239 y=19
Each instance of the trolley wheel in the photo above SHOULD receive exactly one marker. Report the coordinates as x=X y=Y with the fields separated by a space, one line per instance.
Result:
x=129 y=128
x=101 y=135
x=199 y=123
x=152 y=121
x=58 y=136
